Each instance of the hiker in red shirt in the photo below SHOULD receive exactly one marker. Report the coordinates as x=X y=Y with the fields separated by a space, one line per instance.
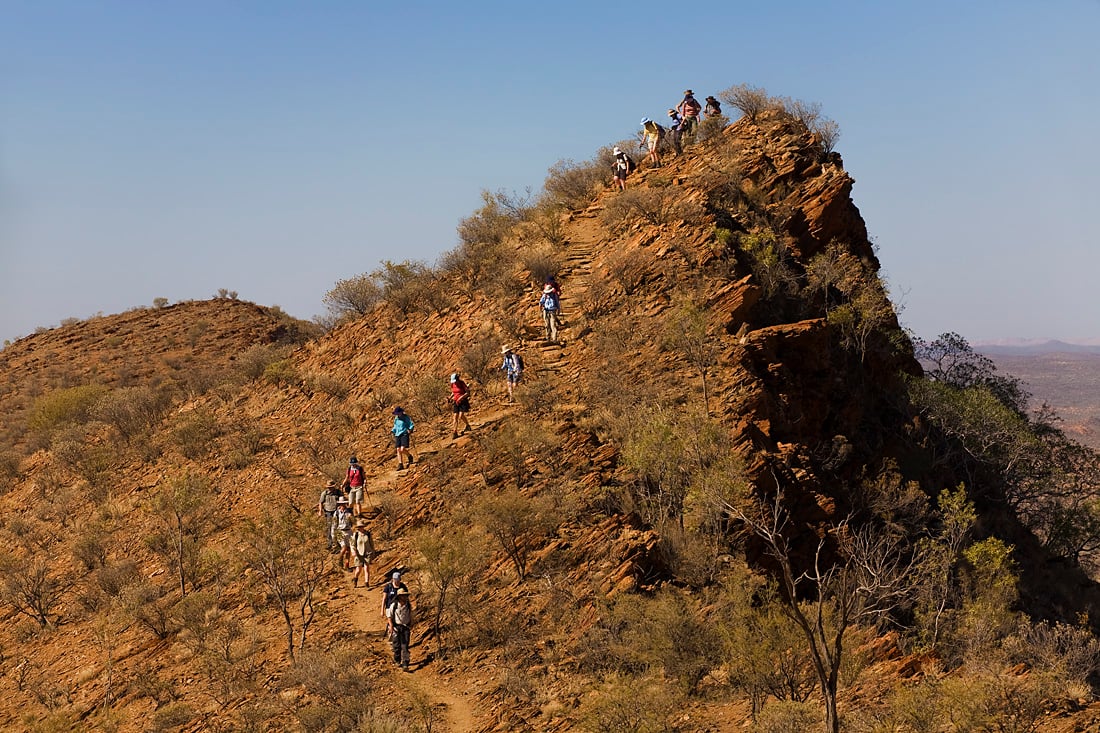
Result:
x=460 y=404
x=689 y=108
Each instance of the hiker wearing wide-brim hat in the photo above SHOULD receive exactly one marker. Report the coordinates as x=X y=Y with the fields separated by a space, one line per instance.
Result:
x=513 y=368
x=327 y=505
x=689 y=108
x=400 y=616
x=362 y=552
x=713 y=108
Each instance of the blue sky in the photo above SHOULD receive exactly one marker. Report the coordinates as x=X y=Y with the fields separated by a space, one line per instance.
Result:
x=171 y=149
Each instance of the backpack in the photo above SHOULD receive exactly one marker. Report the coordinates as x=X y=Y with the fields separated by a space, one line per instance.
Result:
x=549 y=301
x=329 y=504
x=630 y=164
x=517 y=362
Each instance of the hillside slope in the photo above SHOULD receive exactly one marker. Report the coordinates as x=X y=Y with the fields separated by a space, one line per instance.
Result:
x=690 y=322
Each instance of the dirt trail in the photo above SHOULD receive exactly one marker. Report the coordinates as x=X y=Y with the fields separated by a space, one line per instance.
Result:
x=450 y=711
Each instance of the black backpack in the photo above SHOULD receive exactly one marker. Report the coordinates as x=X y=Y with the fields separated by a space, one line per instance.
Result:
x=630 y=164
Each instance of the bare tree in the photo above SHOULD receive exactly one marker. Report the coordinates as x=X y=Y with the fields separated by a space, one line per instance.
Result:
x=31 y=588
x=870 y=577
x=450 y=555
x=280 y=551
x=187 y=512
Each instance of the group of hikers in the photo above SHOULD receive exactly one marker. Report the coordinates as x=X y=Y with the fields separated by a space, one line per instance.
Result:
x=341 y=504
x=348 y=532
x=683 y=125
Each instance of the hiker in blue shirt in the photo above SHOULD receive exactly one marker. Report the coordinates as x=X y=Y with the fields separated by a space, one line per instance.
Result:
x=402 y=431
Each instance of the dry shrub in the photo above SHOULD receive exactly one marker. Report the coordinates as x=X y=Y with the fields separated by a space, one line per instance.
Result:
x=194 y=433
x=630 y=268
x=574 y=185
x=711 y=128
x=750 y=100
x=132 y=410
x=337 y=685
x=516 y=522
x=253 y=361
x=326 y=384
x=656 y=206
x=481 y=361
x=542 y=263
x=788 y=716
x=627 y=704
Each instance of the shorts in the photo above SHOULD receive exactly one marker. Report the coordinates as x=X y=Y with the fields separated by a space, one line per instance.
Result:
x=359 y=561
x=651 y=143
x=401 y=441
x=514 y=377
x=355 y=494
x=463 y=405
x=343 y=538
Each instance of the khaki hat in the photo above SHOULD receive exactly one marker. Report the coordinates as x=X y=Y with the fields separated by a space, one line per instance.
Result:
x=402 y=592
x=505 y=349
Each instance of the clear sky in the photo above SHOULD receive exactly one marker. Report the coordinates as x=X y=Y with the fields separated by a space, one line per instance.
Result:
x=169 y=149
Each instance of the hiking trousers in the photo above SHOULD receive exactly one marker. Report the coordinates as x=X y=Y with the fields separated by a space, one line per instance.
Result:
x=550 y=321
x=400 y=643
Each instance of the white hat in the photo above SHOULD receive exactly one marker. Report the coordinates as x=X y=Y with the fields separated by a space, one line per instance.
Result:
x=548 y=288
x=505 y=349
x=454 y=377
x=616 y=150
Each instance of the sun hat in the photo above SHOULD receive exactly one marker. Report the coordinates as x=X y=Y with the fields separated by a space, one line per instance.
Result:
x=505 y=349
x=616 y=150
x=330 y=485
x=341 y=500
x=353 y=459
x=361 y=524
x=547 y=288
x=402 y=591
x=454 y=377
x=688 y=91
x=398 y=410
x=671 y=112
x=644 y=120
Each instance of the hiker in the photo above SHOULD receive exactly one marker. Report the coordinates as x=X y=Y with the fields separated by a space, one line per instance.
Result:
x=344 y=521
x=355 y=485
x=550 y=305
x=400 y=616
x=674 y=131
x=326 y=507
x=713 y=108
x=513 y=368
x=624 y=166
x=389 y=594
x=652 y=134
x=362 y=552
x=552 y=283
x=460 y=404
x=402 y=431
x=689 y=109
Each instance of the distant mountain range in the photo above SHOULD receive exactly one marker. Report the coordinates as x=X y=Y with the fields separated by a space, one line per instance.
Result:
x=1024 y=347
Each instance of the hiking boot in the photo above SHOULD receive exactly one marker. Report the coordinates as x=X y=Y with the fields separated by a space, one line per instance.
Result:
x=411 y=459
x=454 y=435
x=400 y=466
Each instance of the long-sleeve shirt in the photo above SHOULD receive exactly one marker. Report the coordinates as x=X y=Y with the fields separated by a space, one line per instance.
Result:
x=402 y=424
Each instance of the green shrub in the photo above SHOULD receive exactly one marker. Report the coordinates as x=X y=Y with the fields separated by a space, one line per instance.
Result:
x=68 y=406
x=282 y=373
x=627 y=704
